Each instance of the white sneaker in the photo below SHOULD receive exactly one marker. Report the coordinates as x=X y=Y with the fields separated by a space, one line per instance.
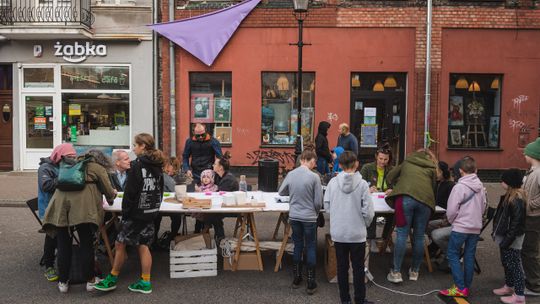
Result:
x=90 y=286
x=394 y=277
x=531 y=293
x=63 y=287
x=413 y=275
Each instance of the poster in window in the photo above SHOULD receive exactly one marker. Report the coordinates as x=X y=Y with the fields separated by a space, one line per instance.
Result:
x=223 y=134
x=455 y=137
x=368 y=137
x=202 y=108
x=494 y=131
x=222 y=109
x=456 y=111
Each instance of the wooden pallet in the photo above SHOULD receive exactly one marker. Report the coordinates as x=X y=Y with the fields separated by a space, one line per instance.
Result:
x=196 y=203
x=244 y=205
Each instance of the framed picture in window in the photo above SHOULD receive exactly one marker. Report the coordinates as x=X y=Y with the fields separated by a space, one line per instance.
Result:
x=222 y=109
x=202 y=109
x=456 y=111
x=494 y=131
x=455 y=137
x=223 y=134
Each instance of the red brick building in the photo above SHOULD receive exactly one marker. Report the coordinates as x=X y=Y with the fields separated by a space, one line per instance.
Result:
x=366 y=67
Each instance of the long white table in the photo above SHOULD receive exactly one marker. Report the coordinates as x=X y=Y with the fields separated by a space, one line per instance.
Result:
x=245 y=215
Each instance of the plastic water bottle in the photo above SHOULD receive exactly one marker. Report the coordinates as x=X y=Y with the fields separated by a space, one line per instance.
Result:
x=243 y=184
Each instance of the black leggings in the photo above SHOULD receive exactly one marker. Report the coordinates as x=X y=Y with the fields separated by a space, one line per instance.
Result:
x=513 y=271
x=49 y=248
x=65 y=243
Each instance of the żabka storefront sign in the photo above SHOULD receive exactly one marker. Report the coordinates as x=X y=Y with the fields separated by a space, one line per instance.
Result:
x=77 y=52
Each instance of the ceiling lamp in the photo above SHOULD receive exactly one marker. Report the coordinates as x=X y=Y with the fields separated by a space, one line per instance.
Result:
x=355 y=81
x=103 y=96
x=390 y=82
x=283 y=83
x=462 y=83
x=495 y=83
x=474 y=87
x=378 y=86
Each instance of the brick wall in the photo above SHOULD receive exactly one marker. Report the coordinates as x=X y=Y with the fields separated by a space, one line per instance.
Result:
x=377 y=15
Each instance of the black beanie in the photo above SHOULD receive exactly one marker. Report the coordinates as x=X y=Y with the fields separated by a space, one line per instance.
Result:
x=513 y=178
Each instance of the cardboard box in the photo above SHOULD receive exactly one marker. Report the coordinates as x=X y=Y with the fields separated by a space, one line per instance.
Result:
x=247 y=261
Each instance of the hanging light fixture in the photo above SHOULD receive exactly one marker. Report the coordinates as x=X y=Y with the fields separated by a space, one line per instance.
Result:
x=355 y=81
x=378 y=86
x=390 y=82
x=495 y=83
x=283 y=83
x=462 y=83
x=474 y=87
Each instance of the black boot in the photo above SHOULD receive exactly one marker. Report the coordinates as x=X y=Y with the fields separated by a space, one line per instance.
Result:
x=297 y=272
x=311 y=284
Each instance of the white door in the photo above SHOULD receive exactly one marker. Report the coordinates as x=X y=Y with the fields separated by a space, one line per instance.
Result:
x=41 y=131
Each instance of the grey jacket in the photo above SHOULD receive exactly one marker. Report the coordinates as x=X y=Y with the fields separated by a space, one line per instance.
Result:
x=349 y=203
x=305 y=191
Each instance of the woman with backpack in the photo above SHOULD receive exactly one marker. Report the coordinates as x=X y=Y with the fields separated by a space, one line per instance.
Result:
x=140 y=207
x=83 y=211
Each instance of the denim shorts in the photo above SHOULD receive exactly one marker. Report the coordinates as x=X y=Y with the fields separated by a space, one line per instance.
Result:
x=136 y=232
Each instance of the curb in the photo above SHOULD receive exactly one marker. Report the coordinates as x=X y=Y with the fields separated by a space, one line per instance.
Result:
x=12 y=203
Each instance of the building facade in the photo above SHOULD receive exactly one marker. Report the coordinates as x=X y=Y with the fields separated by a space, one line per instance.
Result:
x=365 y=66
x=82 y=76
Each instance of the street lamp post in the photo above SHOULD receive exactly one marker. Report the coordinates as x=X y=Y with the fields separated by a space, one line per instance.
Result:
x=300 y=13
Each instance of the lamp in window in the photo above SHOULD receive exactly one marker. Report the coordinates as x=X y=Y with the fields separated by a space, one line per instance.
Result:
x=474 y=87
x=282 y=83
x=462 y=83
x=355 y=81
x=495 y=83
x=378 y=86
x=390 y=82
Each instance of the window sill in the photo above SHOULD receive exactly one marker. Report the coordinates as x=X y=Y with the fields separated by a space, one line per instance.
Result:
x=226 y=145
x=276 y=146
x=476 y=149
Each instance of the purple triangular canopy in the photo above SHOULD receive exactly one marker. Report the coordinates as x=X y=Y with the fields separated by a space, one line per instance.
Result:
x=205 y=36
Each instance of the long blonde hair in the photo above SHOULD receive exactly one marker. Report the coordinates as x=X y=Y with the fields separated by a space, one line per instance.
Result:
x=515 y=193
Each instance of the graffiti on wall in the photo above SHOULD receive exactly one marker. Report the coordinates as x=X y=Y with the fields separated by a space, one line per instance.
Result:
x=286 y=159
x=517 y=120
x=332 y=117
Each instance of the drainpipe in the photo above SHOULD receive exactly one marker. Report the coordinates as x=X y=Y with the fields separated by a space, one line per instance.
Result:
x=428 y=75
x=155 y=65
x=172 y=83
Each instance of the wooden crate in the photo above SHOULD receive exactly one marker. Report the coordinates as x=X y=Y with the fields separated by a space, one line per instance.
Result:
x=196 y=203
x=193 y=263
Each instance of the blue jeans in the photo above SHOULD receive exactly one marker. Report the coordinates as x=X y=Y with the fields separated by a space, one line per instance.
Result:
x=322 y=166
x=304 y=233
x=462 y=277
x=417 y=215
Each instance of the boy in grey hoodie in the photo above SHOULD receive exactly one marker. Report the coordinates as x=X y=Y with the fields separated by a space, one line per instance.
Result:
x=348 y=200
x=305 y=191
x=466 y=206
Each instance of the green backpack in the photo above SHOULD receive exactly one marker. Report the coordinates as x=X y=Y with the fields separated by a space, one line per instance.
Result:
x=72 y=176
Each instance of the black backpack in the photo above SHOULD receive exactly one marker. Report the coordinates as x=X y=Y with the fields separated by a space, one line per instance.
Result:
x=72 y=176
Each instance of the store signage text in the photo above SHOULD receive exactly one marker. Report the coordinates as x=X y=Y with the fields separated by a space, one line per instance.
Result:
x=77 y=53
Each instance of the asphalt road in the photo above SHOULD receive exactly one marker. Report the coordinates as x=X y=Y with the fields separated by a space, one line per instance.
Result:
x=23 y=280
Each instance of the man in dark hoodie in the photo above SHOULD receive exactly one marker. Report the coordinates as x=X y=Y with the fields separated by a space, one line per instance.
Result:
x=324 y=156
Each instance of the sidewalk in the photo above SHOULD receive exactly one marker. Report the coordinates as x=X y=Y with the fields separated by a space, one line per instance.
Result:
x=18 y=187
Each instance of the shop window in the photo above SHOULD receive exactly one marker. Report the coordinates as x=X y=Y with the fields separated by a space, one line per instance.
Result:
x=91 y=118
x=474 y=114
x=279 y=122
x=38 y=78
x=211 y=103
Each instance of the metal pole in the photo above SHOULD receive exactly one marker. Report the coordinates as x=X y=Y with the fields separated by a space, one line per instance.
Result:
x=428 y=75
x=172 y=83
x=155 y=63
x=299 y=147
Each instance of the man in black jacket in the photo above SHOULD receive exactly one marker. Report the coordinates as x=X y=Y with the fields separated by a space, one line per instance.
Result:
x=324 y=157
x=203 y=149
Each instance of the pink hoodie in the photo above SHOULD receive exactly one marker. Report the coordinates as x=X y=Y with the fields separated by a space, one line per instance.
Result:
x=466 y=217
